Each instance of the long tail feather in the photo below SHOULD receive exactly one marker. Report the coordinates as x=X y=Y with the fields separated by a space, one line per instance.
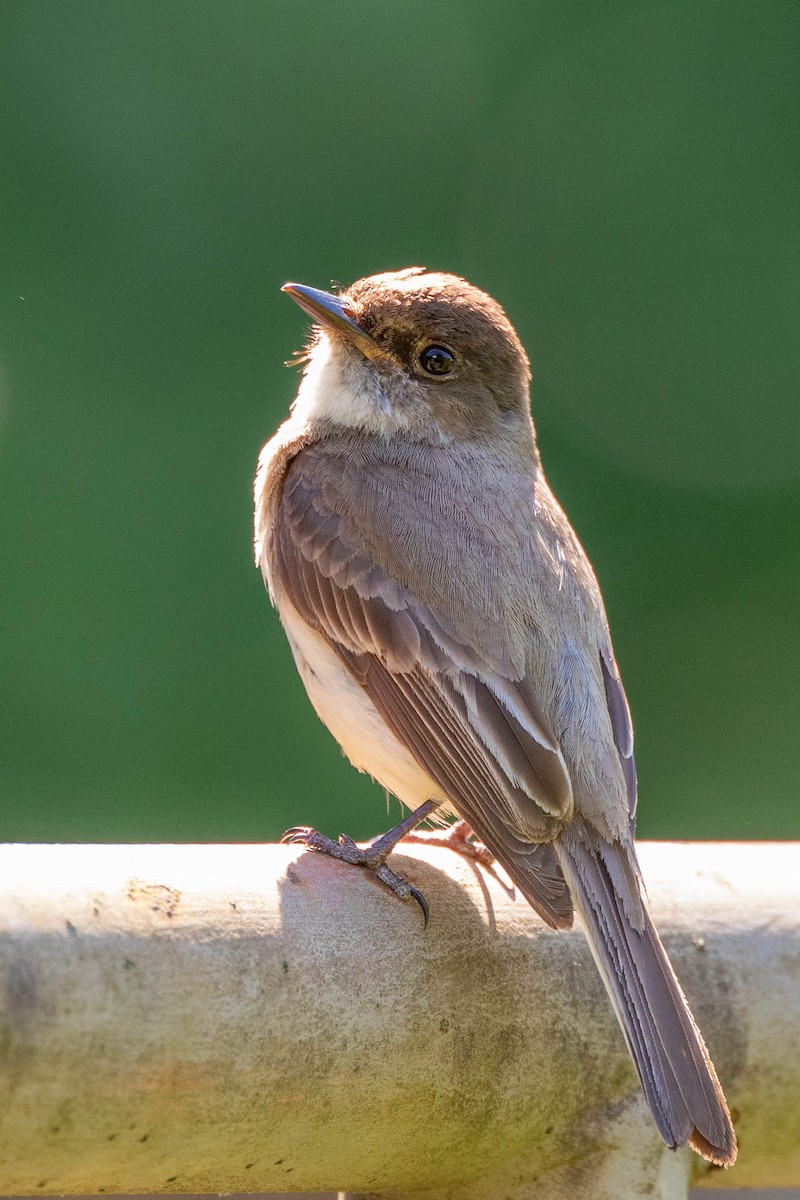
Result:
x=677 y=1075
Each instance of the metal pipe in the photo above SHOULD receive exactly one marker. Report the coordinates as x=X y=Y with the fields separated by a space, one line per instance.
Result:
x=258 y=1018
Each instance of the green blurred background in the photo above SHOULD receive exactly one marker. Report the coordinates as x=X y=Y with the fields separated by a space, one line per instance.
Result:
x=624 y=177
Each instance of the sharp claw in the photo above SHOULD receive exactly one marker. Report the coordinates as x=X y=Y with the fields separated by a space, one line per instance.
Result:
x=299 y=833
x=288 y=834
x=422 y=902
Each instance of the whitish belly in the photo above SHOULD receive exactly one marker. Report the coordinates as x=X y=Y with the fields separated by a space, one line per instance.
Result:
x=352 y=718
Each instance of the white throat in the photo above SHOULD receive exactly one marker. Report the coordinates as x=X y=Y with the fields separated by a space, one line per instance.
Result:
x=347 y=390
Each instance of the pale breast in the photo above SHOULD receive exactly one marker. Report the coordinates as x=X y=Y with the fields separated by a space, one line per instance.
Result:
x=351 y=717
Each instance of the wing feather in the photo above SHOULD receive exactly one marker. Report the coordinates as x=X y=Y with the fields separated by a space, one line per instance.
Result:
x=621 y=724
x=414 y=713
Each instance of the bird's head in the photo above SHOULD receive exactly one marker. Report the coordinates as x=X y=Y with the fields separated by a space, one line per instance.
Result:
x=417 y=353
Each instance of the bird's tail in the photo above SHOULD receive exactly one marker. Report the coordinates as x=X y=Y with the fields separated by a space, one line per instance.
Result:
x=678 y=1077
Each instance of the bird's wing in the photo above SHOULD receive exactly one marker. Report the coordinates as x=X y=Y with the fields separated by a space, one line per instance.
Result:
x=482 y=737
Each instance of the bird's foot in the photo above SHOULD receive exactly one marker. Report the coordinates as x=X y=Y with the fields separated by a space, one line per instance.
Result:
x=372 y=857
x=456 y=837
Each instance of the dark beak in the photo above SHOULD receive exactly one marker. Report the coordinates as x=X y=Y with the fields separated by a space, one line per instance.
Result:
x=328 y=311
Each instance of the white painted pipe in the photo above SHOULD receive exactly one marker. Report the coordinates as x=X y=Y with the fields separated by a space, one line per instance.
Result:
x=259 y=1019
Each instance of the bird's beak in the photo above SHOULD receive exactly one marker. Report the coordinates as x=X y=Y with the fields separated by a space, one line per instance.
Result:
x=328 y=311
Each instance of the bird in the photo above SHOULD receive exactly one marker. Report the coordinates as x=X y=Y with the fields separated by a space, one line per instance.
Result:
x=450 y=632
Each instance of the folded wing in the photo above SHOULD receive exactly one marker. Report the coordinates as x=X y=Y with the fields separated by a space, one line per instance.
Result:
x=482 y=738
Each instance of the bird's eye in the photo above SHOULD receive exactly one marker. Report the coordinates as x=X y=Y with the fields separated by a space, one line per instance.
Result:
x=437 y=360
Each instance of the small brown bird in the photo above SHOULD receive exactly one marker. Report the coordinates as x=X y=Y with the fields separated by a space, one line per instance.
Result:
x=450 y=632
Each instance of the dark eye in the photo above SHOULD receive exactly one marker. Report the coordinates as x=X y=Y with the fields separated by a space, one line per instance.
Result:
x=436 y=360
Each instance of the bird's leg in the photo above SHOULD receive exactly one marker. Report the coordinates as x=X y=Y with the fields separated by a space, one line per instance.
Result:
x=455 y=837
x=372 y=857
